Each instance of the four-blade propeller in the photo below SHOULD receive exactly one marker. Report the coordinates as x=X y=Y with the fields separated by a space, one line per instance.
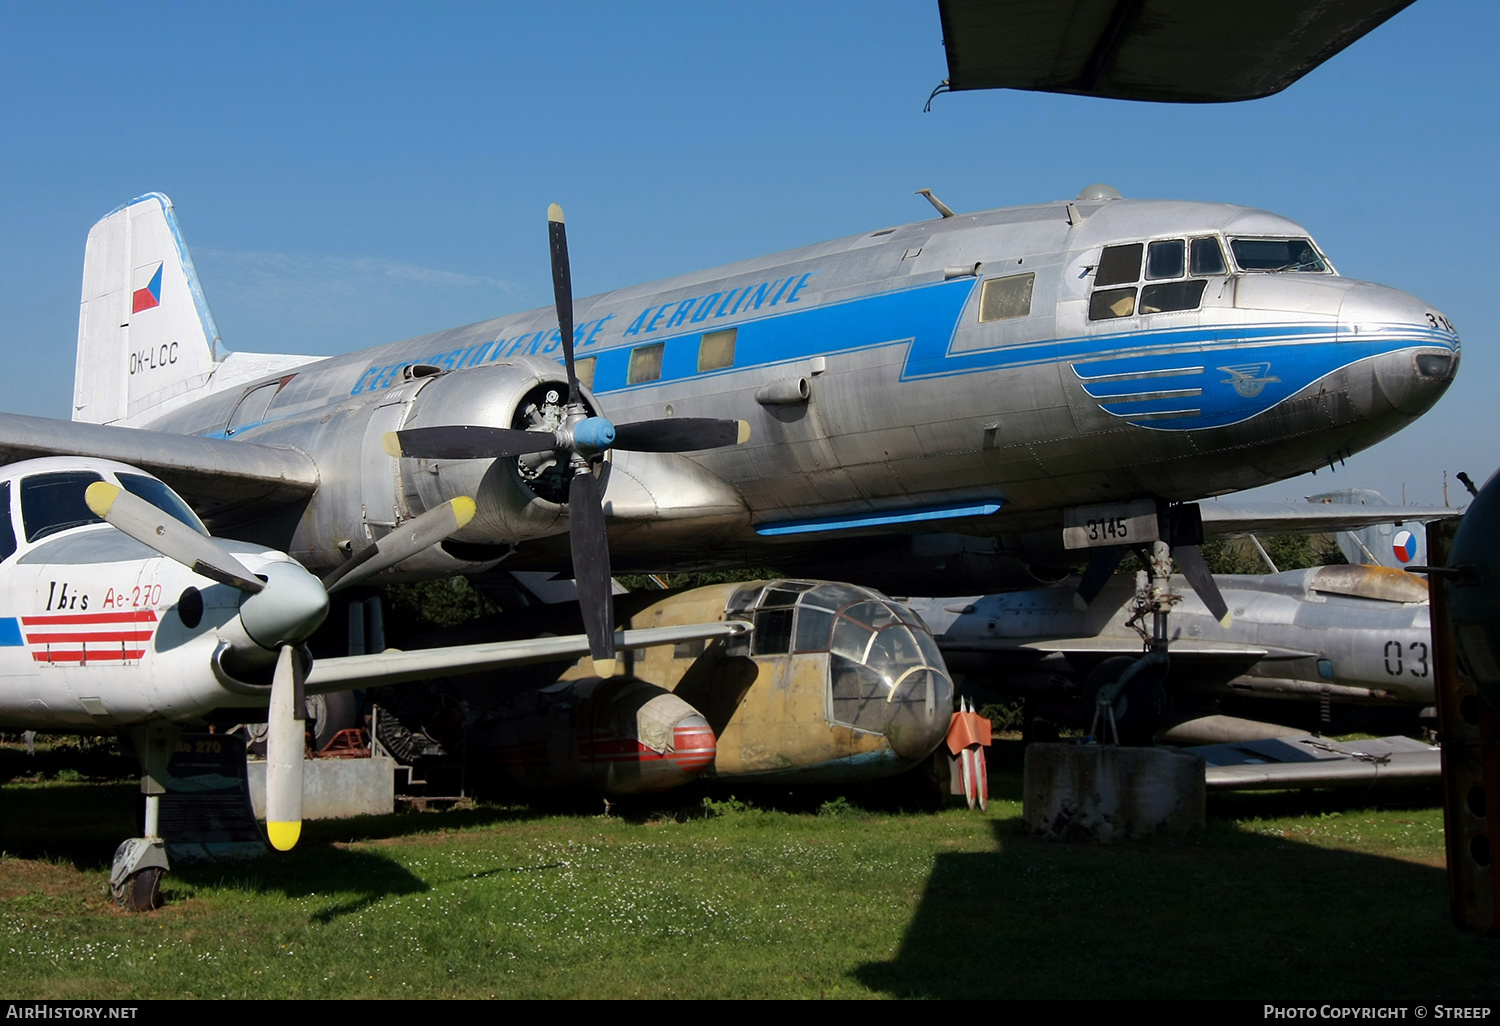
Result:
x=579 y=439
x=281 y=608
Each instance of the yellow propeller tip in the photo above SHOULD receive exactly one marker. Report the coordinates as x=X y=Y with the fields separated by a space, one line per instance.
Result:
x=744 y=434
x=464 y=509
x=604 y=667
x=554 y=213
x=100 y=497
x=391 y=444
x=1228 y=619
x=284 y=835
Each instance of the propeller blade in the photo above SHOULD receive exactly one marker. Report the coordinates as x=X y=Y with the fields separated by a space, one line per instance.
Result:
x=284 y=744
x=591 y=569
x=680 y=434
x=1102 y=563
x=161 y=531
x=415 y=535
x=465 y=442
x=1190 y=560
x=562 y=292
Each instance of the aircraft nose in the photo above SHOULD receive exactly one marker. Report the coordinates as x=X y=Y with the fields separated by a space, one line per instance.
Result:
x=920 y=708
x=1421 y=347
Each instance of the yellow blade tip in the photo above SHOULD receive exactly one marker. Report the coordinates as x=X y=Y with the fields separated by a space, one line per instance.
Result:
x=464 y=509
x=554 y=213
x=391 y=444
x=744 y=435
x=604 y=667
x=100 y=496
x=284 y=835
x=1228 y=619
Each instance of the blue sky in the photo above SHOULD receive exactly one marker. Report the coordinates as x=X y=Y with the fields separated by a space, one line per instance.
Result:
x=351 y=174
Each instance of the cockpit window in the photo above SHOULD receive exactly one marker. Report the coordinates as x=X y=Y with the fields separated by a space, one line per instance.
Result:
x=54 y=502
x=163 y=498
x=1163 y=288
x=1277 y=255
x=1164 y=259
x=1208 y=257
x=1118 y=265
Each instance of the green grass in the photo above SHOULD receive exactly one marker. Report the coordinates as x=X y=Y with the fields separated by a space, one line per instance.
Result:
x=1284 y=896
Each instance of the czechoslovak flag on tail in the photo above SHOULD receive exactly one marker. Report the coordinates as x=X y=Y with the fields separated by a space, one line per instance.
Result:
x=148 y=295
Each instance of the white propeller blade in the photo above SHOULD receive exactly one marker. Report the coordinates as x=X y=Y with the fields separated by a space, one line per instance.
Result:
x=284 y=745
x=161 y=531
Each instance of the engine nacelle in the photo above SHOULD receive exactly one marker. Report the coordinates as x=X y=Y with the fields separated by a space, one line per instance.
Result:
x=615 y=737
x=365 y=492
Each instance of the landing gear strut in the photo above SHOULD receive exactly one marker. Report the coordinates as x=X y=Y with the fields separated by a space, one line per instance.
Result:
x=140 y=862
x=1129 y=694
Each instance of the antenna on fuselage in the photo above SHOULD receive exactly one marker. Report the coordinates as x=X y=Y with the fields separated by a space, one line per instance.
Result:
x=941 y=207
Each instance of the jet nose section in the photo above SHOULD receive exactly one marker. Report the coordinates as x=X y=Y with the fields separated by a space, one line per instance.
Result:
x=920 y=708
x=1420 y=347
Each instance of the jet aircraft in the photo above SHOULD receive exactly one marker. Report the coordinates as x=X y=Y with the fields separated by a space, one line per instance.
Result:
x=1348 y=634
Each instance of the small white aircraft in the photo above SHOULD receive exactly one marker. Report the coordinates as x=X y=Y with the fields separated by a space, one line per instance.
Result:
x=118 y=611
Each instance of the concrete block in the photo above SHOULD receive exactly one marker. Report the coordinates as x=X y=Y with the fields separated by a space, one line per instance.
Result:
x=1103 y=793
x=335 y=788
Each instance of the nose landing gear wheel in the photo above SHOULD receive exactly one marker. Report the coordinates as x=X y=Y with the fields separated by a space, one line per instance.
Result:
x=1140 y=711
x=143 y=890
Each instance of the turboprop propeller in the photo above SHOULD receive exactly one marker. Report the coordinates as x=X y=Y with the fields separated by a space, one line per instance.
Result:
x=282 y=607
x=581 y=438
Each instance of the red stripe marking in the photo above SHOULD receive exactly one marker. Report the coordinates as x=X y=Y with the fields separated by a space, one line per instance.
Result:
x=130 y=616
x=49 y=638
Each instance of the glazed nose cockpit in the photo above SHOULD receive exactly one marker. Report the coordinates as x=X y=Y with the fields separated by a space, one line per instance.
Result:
x=884 y=673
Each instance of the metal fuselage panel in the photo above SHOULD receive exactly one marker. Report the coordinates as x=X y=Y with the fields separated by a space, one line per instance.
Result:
x=914 y=401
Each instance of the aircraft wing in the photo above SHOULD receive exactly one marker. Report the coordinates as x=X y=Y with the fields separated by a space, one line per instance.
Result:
x=217 y=477
x=1227 y=519
x=1183 y=51
x=1288 y=762
x=345 y=673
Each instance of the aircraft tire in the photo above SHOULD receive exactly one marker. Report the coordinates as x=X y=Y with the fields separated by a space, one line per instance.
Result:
x=338 y=710
x=144 y=890
x=1140 y=712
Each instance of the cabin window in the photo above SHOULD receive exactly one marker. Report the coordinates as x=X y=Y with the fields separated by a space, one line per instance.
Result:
x=1001 y=299
x=1164 y=259
x=54 y=502
x=645 y=364
x=585 y=370
x=7 y=529
x=1172 y=295
x=1277 y=255
x=1119 y=264
x=252 y=408
x=716 y=349
x=1208 y=257
x=1107 y=303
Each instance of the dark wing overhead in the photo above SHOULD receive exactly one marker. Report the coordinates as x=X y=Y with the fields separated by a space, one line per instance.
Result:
x=223 y=481
x=1181 y=51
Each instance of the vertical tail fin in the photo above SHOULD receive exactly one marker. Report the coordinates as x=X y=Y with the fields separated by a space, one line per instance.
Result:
x=1392 y=545
x=145 y=333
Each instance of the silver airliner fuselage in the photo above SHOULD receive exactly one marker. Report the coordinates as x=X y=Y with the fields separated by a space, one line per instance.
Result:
x=974 y=374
